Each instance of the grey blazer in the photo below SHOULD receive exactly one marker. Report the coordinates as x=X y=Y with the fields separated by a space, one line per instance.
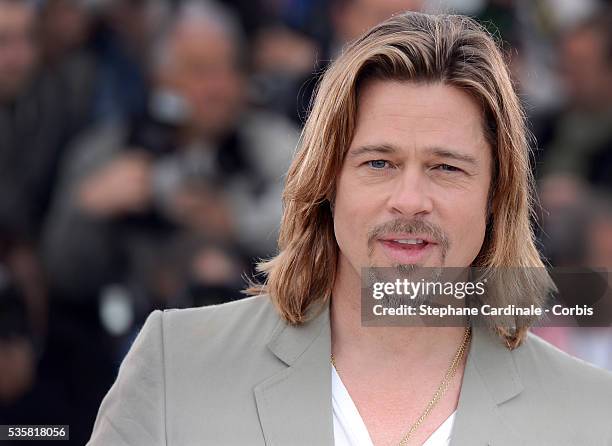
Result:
x=235 y=374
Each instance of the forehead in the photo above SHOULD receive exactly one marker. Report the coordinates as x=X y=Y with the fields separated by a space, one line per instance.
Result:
x=15 y=16
x=193 y=42
x=418 y=115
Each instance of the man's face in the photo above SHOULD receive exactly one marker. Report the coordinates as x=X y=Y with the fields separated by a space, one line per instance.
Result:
x=17 y=47
x=203 y=70
x=414 y=185
x=585 y=69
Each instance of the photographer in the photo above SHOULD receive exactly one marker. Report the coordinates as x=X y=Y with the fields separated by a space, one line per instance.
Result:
x=186 y=193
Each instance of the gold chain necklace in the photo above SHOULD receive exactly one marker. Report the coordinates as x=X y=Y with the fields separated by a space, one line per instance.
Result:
x=440 y=391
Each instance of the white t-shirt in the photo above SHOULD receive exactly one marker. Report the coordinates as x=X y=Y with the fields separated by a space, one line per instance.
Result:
x=350 y=430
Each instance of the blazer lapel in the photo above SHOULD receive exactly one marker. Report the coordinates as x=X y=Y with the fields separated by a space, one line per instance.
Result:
x=490 y=379
x=294 y=405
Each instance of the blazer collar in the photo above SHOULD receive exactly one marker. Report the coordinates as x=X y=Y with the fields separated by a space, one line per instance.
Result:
x=490 y=379
x=289 y=342
x=294 y=404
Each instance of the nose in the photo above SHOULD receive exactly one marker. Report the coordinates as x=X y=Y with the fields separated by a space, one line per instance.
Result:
x=410 y=196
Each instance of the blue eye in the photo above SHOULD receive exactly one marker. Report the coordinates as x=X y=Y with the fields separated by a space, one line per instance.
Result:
x=378 y=164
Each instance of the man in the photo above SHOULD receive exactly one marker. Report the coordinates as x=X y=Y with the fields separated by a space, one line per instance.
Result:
x=199 y=166
x=414 y=154
x=36 y=122
x=578 y=154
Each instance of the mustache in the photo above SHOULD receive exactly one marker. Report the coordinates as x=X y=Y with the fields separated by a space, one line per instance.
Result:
x=409 y=226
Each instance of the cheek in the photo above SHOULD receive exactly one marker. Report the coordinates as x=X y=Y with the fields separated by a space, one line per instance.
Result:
x=350 y=219
x=469 y=225
x=474 y=230
x=344 y=221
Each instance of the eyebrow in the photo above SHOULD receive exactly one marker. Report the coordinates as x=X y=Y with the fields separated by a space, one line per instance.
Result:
x=390 y=149
x=453 y=154
x=377 y=148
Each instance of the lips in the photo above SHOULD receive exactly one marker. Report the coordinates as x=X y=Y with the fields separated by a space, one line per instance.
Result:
x=407 y=249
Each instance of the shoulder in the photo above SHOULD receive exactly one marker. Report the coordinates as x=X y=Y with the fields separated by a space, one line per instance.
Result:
x=269 y=126
x=219 y=334
x=272 y=141
x=252 y=316
x=544 y=395
x=188 y=338
x=564 y=387
x=182 y=358
x=537 y=355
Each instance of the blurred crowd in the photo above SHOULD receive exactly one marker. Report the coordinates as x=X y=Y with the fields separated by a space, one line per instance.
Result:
x=143 y=145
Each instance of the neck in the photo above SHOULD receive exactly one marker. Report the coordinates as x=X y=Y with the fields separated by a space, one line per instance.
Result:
x=392 y=373
x=393 y=347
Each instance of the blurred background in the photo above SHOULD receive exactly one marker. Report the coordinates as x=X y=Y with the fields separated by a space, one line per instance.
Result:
x=143 y=145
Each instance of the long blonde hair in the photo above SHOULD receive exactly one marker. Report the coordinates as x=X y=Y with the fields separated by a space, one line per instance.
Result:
x=416 y=47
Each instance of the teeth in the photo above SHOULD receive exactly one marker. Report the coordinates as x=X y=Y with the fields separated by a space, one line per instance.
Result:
x=412 y=241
